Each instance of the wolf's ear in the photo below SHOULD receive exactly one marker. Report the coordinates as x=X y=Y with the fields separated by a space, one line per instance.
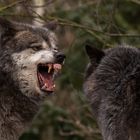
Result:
x=94 y=54
x=7 y=29
x=52 y=25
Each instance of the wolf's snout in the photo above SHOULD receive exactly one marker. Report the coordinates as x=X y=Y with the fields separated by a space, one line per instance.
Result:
x=60 y=57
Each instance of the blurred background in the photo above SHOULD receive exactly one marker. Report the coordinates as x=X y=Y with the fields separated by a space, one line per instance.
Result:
x=67 y=115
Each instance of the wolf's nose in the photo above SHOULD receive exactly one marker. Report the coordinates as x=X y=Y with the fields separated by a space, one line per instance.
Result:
x=60 y=57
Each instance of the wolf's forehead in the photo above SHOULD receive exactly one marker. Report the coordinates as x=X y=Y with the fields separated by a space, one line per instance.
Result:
x=27 y=36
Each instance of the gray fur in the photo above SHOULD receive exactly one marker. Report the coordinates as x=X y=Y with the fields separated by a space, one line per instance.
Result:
x=21 y=49
x=112 y=85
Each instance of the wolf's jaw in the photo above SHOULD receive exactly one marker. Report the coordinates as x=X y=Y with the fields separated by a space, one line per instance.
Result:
x=46 y=74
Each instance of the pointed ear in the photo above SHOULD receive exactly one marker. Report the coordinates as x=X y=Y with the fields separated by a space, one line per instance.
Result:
x=6 y=29
x=94 y=54
x=52 y=25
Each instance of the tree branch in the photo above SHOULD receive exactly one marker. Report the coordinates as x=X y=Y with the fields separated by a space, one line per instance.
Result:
x=11 y=5
x=135 y=1
x=65 y=22
x=81 y=129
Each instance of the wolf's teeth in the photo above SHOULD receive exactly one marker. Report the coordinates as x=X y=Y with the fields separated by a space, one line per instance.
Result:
x=44 y=87
x=54 y=75
x=63 y=62
x=49 y=68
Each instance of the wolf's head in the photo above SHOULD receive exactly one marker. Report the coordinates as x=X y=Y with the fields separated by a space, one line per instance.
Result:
x=29 y=59
x=112 y=71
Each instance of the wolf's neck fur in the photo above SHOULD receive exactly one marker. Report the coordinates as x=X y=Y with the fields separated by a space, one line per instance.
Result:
x=16 y=112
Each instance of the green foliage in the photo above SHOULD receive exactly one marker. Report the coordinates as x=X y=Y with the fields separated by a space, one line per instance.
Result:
x=56 y=123
x=67 y=115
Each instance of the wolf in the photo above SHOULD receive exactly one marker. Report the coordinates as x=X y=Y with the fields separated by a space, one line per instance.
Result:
x=30 y=60
x=112 y=87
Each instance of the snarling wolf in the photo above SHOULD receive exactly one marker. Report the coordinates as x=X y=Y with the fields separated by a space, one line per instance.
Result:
x=29 y=62
x=112 y=85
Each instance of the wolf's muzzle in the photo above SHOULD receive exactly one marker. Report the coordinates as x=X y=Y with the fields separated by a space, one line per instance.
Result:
x=60 y=57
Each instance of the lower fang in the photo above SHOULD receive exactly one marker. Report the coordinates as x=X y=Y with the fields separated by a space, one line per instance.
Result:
x=54 y=75
x=44 y=87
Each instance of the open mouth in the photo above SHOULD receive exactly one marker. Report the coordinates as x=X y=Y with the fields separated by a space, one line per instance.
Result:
x=46 y=74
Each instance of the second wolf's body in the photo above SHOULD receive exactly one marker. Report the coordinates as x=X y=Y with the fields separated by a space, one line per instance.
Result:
x=112 y=86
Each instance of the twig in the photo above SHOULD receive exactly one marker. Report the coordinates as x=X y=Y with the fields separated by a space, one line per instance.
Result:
x=11 y=5
x=71 y=133
x=64 y=22
x=136 y=1
x=73 y=24
x=122 y=35
x=77 y=124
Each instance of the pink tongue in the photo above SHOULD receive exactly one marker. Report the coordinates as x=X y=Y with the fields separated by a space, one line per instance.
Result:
x=57 y=66
x=47 y=83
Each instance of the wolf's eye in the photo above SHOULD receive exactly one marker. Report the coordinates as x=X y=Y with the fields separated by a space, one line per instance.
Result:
x=55 y=50
x=36 y=46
